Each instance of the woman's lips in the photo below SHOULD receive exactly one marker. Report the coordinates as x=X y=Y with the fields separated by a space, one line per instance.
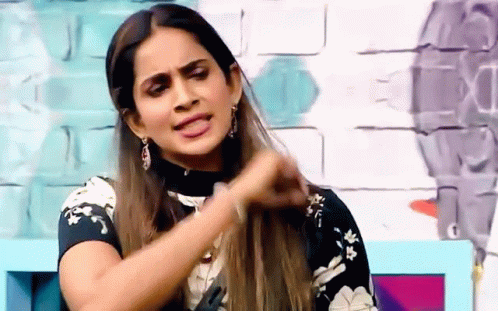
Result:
x=194 y=126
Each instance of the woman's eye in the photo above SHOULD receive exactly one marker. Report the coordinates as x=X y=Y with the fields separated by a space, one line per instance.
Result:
x=199 y=73
x=156 y=89
x=158 y=85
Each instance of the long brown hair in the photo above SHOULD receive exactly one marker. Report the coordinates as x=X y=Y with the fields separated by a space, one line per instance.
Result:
x=266 y=267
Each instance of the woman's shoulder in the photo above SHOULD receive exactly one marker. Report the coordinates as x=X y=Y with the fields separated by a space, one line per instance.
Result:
x=336 y=254
x=87 y=215
x=331 y=230
x=327 y=209
x=97 y=192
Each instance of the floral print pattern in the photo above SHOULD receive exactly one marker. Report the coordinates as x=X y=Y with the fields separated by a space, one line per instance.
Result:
x=82 y=201
x=350 y=253
x=84 y=211
x=314 y=209
x=348 y=300
x=332 y=282
x=343 y=240
x=340 y=281
x=350 y=237
x=323 y=275
x=186 y=200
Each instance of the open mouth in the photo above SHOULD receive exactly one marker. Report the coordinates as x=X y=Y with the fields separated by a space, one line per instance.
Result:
x=194 y=126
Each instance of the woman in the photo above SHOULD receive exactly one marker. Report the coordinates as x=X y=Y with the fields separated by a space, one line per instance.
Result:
x=151 y=240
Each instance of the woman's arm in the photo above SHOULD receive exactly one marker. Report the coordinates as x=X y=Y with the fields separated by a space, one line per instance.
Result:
x=94 y=277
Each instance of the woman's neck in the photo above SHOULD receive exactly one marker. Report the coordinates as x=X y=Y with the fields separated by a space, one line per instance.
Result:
x=212 y=162
x=191 y=182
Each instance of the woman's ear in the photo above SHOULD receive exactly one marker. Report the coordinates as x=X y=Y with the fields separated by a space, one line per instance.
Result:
x=235 y=82
x=134 y=122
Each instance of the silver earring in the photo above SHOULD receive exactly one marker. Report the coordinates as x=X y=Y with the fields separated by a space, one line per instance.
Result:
x=234 y=127
x=146 y=160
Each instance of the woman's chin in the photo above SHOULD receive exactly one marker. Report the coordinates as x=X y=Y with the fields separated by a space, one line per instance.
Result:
x=201 y=155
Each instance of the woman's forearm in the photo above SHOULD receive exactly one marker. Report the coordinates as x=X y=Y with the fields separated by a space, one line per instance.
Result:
x=147 y=279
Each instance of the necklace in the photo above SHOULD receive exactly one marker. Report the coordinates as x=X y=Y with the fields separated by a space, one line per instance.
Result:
x=196 y=202
x=213 y=251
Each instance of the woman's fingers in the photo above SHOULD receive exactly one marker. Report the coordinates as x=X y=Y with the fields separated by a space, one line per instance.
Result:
x=291 y=198
x=272 y=180
x=287 y=191
x=299 y=197
x=303 y=185
x=290 y=187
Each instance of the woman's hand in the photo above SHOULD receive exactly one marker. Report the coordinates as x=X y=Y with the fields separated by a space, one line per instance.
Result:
x=270 y=180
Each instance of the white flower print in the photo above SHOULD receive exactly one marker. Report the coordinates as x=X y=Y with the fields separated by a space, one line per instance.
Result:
x=323 y=275
x=351 y=237
x=314 y=208
x=96 y=192
x=314 y=200
x=350 y=253
x=348 y=300
x=340 y=238
x=339 y=243
x=73 y=219
x=187 y=200
x=86 y=211
x=309 y=211
x=100 y=219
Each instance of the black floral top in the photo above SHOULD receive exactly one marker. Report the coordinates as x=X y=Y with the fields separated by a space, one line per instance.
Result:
x=334 y=247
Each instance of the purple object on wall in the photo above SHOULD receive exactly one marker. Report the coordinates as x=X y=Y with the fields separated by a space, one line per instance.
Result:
x=455 y=108
x=410 y=292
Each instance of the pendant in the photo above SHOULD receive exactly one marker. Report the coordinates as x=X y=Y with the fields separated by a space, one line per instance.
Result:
x=207 y=258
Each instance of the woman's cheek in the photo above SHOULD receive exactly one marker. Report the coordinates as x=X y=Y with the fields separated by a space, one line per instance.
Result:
x=160 y=120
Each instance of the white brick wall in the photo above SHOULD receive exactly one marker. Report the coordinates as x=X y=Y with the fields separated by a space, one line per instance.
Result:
x=356 y=91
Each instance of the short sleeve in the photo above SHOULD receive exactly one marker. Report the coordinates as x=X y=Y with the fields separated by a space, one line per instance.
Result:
x=87 y=215
x=337 y=257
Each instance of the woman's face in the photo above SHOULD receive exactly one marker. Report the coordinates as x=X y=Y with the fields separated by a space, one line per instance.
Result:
x=183 y=99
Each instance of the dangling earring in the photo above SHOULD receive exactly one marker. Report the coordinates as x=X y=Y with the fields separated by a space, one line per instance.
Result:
x=146 y=160
x=233 y=128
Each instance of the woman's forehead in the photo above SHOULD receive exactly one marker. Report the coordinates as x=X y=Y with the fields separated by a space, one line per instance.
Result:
x=168 y=49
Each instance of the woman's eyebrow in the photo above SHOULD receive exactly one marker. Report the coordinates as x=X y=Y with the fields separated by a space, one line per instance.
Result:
x=191 y=66
x=184 y=70
x=148 y=80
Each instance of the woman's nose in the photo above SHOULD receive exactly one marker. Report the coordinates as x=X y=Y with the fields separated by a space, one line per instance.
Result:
x=186 y=95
